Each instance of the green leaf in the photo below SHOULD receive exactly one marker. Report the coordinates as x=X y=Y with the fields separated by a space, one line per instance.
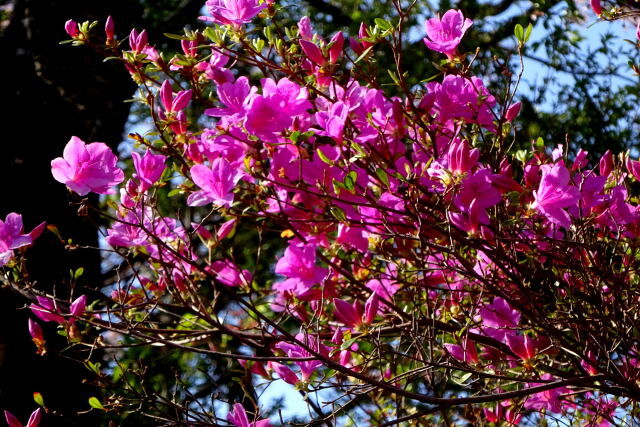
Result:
x=175 y=36
x=382 y=176
x=519 y=33
x=95 y=403
x=338 y=213
x=175 y=192
x=350 y=180
x=527 y=33
x=37 y=397
x=363 y=55
x=393 y=77
x=323 y=157
x=78 y=273
x=383 y=24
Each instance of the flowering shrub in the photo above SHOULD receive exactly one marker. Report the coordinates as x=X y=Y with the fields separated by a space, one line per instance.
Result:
x=429 y=271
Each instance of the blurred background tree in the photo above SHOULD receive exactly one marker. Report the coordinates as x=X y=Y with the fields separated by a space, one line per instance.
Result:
x=581 y=92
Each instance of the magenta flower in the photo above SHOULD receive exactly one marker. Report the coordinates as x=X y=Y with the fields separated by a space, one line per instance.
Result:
x=549 y=399
x=238 y=417
x=46 y=310
x=235 y=97
x=232 y=12
x=229 y=273
x=34 y=419
x=444 y=35
x=217 y=183
x=468 y=353
x=307 y=367
x=274 y=110
x=458 y=97
x=149 y=168
x=284 y=372
x=555 y=194
x=11 y=236
x=86 y=168
x=298 y=266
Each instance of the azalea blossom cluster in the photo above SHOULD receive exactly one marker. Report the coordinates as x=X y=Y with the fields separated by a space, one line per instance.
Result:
x=422 y=258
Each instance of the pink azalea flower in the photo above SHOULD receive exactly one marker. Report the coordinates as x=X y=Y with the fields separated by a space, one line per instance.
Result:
x=171 y=103
x=238 y=417
x=444 y=35
x=307 y=367
x=549 y=399
x=298 y=266
x=232 y=12
x=458 y=97
x=230 y=274
x=273 y=111
x=86 y=168
x=468 y=353
x=46 y=310
x=235 y=97
x=555 y=194
x=11 y=236
x=148 y=168
x=217 y=183
x=284 y=372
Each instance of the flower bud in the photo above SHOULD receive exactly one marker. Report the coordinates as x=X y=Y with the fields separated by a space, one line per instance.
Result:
x=109 y=28
x=371 y=308
x=71 y=28
x=35 y=331
x=78 y=306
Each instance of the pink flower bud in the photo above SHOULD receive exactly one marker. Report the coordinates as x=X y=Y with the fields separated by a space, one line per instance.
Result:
x=335 y=51
x=580 y=160
x=71 y=28
x=606 y=163
x=633 y=166
x=109 y=28
x=596 y=6
x=513 y=111
x=35 y=418
x=363 y=33
x=304 y=28
x=12 y=420
x=371 y=308
x=35 y=331
x=313 y=52
x=226 y=228
x=78 y=306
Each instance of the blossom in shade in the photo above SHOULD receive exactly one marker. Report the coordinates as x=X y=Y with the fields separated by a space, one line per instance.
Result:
x=86 y=168
x=12 y=237
x=444 y=34
x=548 y=399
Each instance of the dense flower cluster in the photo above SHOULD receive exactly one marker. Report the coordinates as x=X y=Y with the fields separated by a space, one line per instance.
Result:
x=414 y=242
